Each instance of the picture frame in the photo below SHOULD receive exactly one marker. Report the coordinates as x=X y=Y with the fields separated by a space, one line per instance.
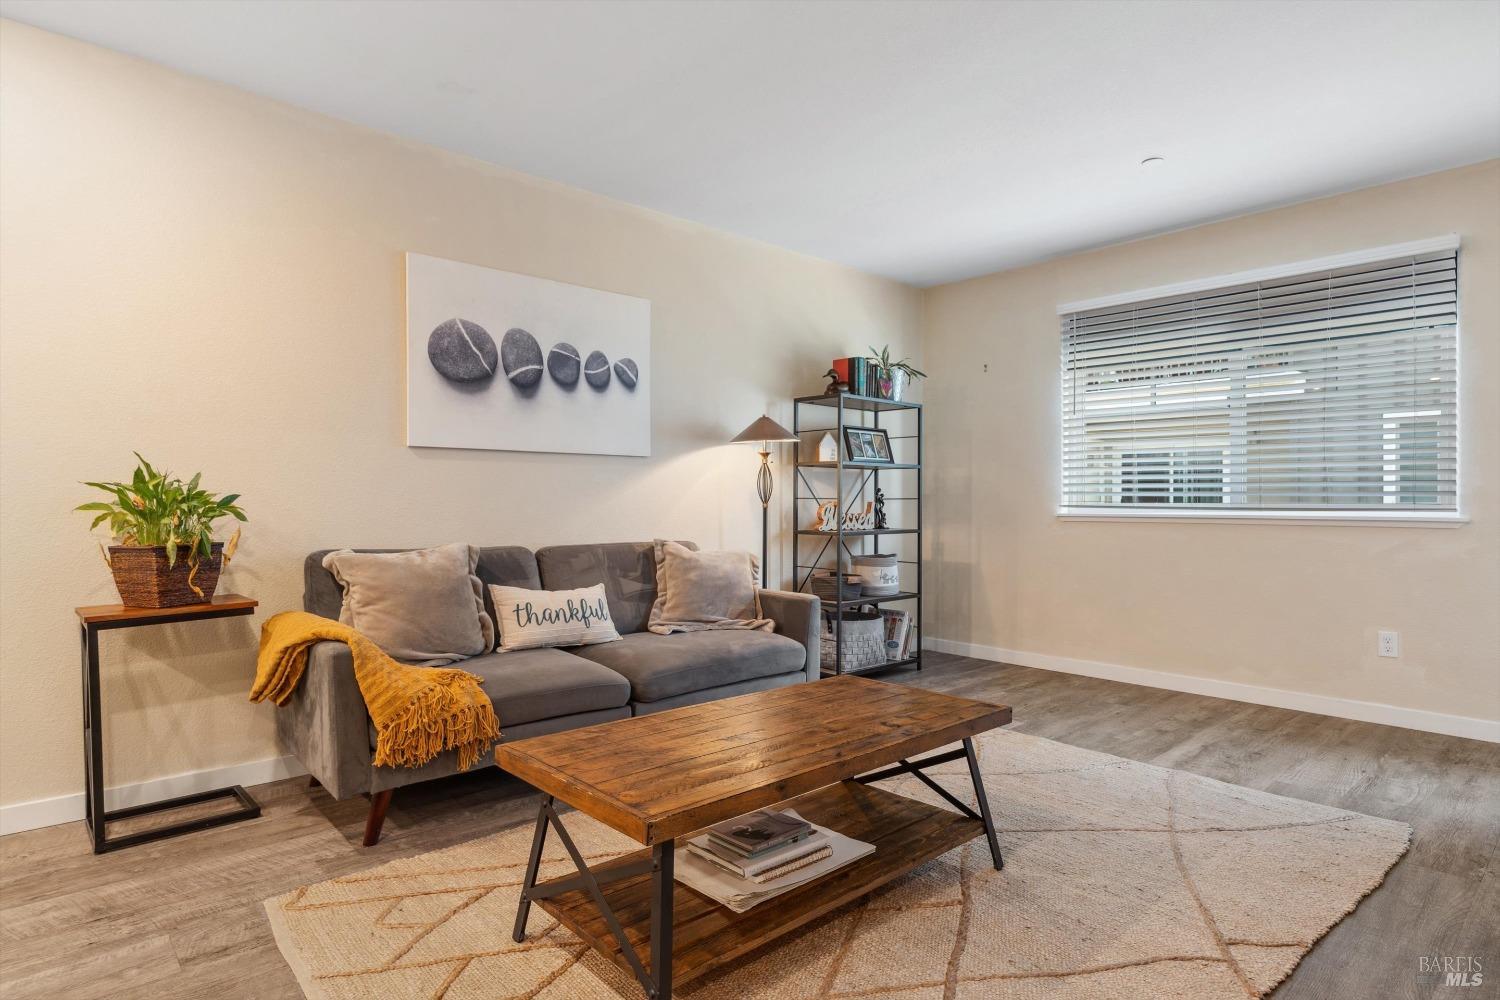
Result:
x=868 y=446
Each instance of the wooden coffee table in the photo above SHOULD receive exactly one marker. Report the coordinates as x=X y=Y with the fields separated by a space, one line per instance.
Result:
x=809 y=747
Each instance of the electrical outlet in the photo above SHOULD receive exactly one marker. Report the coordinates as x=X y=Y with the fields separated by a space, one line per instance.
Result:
x=1388 y=643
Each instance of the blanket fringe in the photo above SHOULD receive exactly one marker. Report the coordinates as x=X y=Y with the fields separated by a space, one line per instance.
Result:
x=450 y=714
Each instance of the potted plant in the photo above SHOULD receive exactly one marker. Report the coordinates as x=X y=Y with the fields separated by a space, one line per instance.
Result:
x=893 y=376
x=164 y=554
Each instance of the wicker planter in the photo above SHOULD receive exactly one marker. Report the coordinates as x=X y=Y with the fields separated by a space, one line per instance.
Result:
x=144 y=581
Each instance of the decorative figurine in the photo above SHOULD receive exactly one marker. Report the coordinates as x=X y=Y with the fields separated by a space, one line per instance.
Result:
x=835 y=384
x=828 y=449
x=880 y=519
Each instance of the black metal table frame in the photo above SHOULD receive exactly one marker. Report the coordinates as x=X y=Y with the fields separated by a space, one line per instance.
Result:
x=95 y=818
x=658 y=982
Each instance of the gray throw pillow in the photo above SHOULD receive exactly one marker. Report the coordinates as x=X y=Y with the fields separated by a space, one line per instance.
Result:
x=696 y=591
x=424 y=607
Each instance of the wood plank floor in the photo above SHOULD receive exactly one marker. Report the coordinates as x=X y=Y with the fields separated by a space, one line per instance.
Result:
x=183 y=918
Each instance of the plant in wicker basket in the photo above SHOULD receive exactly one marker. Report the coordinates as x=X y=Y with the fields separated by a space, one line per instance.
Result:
x=165 y=553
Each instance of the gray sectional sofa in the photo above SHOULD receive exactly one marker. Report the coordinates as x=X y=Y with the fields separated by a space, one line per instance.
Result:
x=539 y=691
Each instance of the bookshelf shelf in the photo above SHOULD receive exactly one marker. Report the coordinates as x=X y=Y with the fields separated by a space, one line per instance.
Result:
x=854 y=602
x=862 y=466
x=859 y=533
x=829 y=549
x=850 y=401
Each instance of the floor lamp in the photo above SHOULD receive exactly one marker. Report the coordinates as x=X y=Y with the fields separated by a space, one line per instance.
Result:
x=765 y=432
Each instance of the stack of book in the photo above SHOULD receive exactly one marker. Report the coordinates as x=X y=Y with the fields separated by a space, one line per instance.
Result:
x=861 y=374
x=752 y=858
x=762 y=846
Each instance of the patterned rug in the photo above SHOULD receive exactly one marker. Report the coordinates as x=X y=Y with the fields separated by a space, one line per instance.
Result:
x=1121 y=880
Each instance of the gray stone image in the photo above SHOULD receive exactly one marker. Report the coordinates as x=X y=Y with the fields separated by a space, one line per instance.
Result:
x=564 y=364
x=596 y=370
x=627 y=372
x=462 y=351
x=521 y=356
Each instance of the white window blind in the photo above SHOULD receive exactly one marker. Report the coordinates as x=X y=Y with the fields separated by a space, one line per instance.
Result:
x=1328 y=389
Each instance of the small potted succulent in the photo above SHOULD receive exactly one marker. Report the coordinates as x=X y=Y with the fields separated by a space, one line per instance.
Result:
x=164 y=555
x=893 y=377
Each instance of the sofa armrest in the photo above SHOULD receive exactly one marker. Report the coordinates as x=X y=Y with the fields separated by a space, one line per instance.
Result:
x=797 y=616
x=325 y=722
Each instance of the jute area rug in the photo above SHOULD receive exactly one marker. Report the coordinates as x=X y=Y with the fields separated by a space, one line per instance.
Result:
x=1121 y=880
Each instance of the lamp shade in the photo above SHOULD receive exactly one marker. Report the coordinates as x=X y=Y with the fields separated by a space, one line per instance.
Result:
x=764 y=429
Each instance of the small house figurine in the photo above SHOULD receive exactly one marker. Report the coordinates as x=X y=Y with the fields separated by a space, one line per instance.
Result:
x=828 y=448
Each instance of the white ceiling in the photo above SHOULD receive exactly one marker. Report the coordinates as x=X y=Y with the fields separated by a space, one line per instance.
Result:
x=923 y=141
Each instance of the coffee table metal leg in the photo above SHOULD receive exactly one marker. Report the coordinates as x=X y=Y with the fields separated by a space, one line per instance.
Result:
x=662 y=888
x=523 y=909
x=984 y=804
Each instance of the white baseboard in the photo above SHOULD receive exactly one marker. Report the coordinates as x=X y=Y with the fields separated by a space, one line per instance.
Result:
x=69 y=808
x=1319 y=704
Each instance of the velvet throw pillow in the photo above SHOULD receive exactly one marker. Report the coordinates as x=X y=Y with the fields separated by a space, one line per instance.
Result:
x=424 y=607
x=696 y=591
x=531 y=618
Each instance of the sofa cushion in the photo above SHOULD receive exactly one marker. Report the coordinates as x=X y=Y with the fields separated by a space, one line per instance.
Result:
x=664 y=666
x=529 y=685
x=627 y=570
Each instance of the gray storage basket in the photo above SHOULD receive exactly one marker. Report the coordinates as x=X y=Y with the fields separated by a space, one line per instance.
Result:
x=864 y=641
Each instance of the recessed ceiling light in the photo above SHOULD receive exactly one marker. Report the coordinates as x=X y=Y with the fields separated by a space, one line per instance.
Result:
x=1153 y=161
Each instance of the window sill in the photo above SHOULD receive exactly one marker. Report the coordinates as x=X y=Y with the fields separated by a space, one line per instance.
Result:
x=1332 y=517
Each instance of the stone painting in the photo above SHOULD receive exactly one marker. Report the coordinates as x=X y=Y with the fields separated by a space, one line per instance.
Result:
x=454 y=399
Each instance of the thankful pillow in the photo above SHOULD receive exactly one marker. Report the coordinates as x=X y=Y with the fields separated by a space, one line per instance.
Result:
x=424 y=607
x=530 y=618
x=705 y=590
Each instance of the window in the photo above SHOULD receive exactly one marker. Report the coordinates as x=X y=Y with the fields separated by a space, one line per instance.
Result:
x=1323 y=387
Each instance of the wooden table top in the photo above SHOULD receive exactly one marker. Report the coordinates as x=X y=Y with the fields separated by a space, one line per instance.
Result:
x=656 y=777
x=220 y=606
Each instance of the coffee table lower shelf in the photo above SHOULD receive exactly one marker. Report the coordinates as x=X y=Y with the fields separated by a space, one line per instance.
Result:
x=906 y=833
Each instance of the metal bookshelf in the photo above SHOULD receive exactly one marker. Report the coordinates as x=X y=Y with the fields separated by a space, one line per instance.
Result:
x=811 y=548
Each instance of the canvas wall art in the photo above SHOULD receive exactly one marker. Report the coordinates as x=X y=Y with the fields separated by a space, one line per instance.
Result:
x=508 y=362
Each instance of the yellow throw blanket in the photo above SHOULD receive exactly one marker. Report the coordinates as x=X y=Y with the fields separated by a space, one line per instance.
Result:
x=418 y=711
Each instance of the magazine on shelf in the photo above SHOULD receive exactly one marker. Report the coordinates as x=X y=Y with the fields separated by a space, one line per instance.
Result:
x=740 y=894
x=897 y=633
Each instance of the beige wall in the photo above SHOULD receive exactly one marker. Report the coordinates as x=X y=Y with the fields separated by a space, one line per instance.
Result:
x=1293 y=607
x=217 y=280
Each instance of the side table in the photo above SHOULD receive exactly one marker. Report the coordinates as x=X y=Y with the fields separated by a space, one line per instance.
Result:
x=92 y=621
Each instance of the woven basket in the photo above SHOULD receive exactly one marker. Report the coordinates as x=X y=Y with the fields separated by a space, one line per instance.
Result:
x=864 y=641
x=826 y=586
x=144 y=581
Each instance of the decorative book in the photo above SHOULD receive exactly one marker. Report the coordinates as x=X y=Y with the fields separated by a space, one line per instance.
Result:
x=758 y=832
